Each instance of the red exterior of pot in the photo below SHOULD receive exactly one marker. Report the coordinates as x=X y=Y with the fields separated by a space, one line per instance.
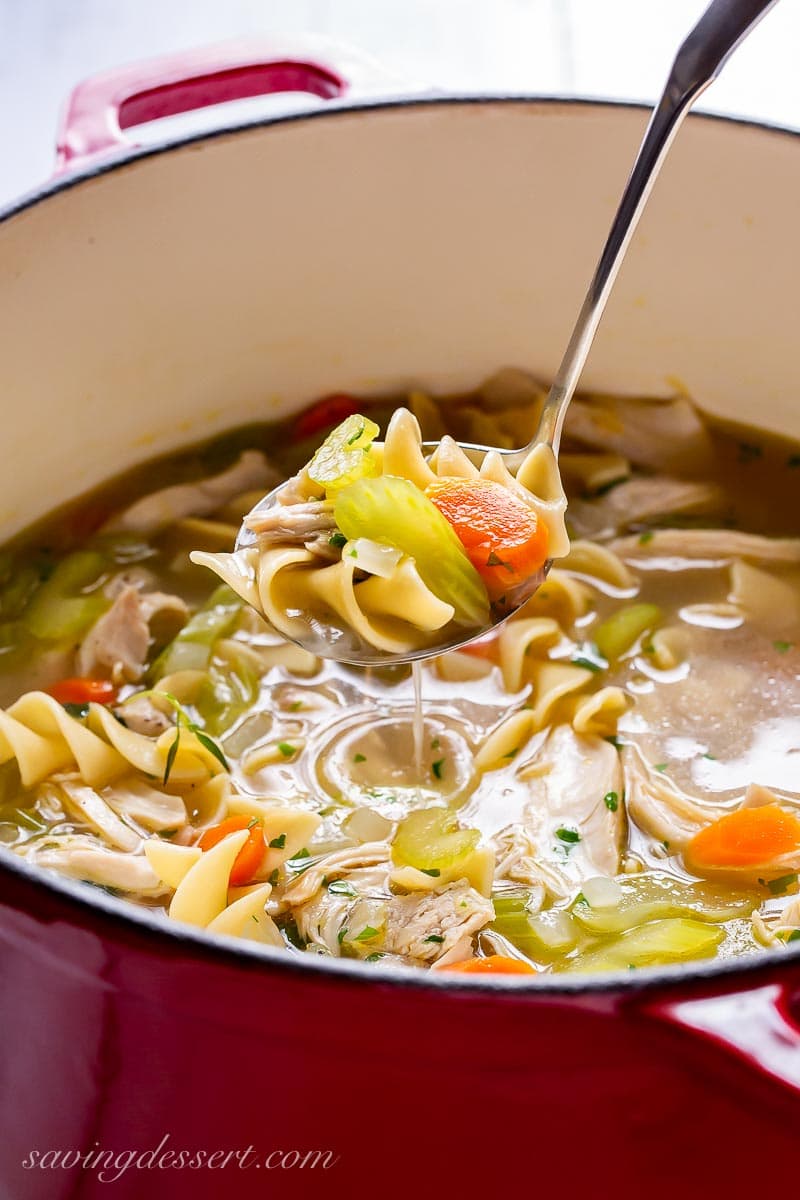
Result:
x=128 y=1040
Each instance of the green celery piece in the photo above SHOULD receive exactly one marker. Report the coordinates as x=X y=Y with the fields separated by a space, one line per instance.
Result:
x=534 y=935
x=226 y=694
x=57 y=610
x=657 y=943
x=430 y=839
x=345 y=455
x=191 y=649
x=654 y=895
x=620 y=631
x=395 y=512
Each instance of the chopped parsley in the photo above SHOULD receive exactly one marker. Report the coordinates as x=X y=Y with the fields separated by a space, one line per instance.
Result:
x=79 y=711
x=435 y=744
x=340 y=887
x=645 y=537
x=660 y=767
x=710 y=757
x=434 y=937
x=295 y=706
x=782 y=646
x=351 y=441
x=748 y=452
x=570 y=836
x=794 y=936
x=359 y=758
x=434 y=872
x=337 y=539
x=782 y=884
x=611 y=801
x=512 y=753
x=273 y=879
x=376 y=956
x=437 y=767
x=279 y=843
x=287 y=749
x=341 y=935
x=366 y=935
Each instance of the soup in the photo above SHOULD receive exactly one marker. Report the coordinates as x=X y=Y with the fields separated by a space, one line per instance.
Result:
x=607 y=782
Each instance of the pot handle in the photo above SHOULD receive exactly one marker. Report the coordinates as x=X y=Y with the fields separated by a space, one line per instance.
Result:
x=100 y=110
x=756 y=1026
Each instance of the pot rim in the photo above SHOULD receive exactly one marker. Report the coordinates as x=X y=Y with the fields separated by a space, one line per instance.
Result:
x=120 y=158
x=125 y=914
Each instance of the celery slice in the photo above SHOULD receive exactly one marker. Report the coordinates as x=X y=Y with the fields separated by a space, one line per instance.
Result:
x=191 y=649
x=655 y=895
x=659 y=942
x=58 y=610
x=544 y=937
x=226 y=694
x=430 y=840
x=395 y=512
x=620 y=631
x=345 y=455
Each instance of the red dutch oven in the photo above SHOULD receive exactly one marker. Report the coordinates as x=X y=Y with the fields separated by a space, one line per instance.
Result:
x=153 y=296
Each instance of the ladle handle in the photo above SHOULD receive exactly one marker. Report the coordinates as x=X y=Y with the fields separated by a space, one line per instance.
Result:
x=723 y=25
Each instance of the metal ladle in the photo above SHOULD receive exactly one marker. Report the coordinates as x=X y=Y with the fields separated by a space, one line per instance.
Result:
x=723 y=25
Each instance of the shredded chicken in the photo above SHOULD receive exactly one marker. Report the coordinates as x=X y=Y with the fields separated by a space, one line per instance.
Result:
x=570 y=832
x=142 y=716
x=117 y=645
x=80 y=857
x=640 y=500
x=336 y=866
x=199 y=499
x=708 y=544
x=664 y=435
x=293 y=522
x=659 y=806
x=452 y=913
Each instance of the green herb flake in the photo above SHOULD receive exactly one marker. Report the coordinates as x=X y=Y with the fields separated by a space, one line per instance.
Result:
x=645 y=537
x=581 y=899
x=434 y=937
x=287 y=749
x=611 y=801
x=665 y=844
x=278 y=843
x=748 y=452
x=359 y=758
x=340 y=887
x=341 y=935
x=589 y=664
x=782 y=646
x=376 y=956
x=353 y=554
x=794 y=936
x=351 y=441
x=273 y=879
x=296 y=706
x=366 y=935
x=782 y=884
x=434 y=872
x=437 y=767
x=570 y=836
x=338 y=540
x=710 y=757
x=171 y=753
x=660 y=767
x=78 y=711
x=435 y=744
x=512 y=753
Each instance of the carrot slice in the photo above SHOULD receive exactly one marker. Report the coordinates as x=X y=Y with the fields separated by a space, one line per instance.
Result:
x=251 y=855
x=504 y=539
x=750 y=837
x=83 y=691
x=494 y=964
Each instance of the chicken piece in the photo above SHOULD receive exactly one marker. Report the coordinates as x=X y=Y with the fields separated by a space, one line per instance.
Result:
x=640 y=500
x=340 y=864
x=138 y=801
x=415 y=923
x=80 y=857
x=292 y=522
x=664 y=435
x=141 y=715
x=659 y=807
x=199 y=499
x=117 y=645
x=715 y=545
x=572 y=831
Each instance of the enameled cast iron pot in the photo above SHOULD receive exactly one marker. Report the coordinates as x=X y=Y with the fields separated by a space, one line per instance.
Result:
x=149 y=298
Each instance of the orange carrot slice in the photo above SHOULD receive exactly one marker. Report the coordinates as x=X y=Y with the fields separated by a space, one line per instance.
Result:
x=748 y=838
x=83 y=691
x=504 y=539
x=251 y=855
x=494 y=964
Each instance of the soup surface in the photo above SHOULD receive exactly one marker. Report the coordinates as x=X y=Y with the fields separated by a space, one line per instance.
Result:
x=607 y=782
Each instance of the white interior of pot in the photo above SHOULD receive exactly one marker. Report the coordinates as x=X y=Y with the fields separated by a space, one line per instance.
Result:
x=233 y=279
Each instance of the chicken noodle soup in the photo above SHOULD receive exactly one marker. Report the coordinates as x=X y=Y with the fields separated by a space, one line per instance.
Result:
x=608 y=781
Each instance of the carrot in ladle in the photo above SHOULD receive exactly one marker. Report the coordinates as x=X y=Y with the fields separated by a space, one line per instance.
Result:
x=504 y=538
